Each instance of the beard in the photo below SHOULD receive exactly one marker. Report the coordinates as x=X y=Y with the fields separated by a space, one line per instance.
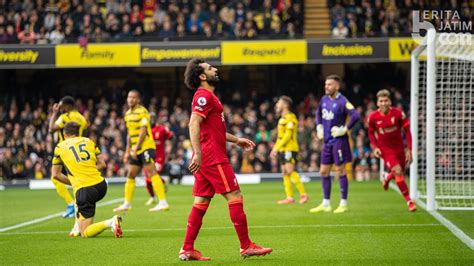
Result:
x=212 y=80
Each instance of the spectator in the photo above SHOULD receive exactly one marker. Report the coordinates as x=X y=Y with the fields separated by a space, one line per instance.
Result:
x=340 y=31
x=167 y=32
x=26 y=36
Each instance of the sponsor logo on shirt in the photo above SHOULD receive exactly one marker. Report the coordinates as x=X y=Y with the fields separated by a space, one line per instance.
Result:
x=328 y=115
x=198 y=108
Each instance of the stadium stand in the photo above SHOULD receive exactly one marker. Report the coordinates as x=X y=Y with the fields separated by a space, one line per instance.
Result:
x=65 y=21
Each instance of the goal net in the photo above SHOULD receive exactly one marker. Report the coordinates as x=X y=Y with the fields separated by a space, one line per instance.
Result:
x=442 y=118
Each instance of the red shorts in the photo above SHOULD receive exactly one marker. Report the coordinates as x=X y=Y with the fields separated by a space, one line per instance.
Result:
x=218 y=178
x=392 y=159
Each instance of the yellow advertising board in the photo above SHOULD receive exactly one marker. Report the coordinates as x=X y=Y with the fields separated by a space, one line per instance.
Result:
x=98 y=55
x=264 y=52
x=400 y=49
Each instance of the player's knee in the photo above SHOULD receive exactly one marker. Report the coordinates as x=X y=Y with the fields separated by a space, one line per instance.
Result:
x=399 y=178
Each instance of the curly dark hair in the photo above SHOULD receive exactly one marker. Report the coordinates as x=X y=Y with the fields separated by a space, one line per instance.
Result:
x=192 y=72
x=71 y=129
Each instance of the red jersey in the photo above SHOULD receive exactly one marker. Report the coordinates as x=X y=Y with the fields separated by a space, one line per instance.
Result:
x=385 y=131
x=213 y=128
x=160 y=135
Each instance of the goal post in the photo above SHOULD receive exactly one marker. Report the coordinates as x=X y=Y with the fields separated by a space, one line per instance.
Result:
x=442 y=122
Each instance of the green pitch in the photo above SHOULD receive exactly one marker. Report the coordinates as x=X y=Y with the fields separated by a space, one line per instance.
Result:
x=378 y=229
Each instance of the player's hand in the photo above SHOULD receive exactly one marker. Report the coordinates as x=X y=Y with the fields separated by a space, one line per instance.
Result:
x=245 y=144
x=408 y=157
x=320 y=132
x=195 y=164
x=273 y=154
x=377 y=152
x=56 y=107
x=133 y=153
x=338 y=131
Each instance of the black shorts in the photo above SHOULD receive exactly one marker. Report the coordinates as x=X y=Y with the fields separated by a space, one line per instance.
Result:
x=146 y=157
x=287 y=157
x=87 y=197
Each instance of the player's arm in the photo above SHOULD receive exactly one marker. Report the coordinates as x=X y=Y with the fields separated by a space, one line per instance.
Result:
x=319 y=123
x=56 y=173
x=195 y=134
x=99 y=160
x=56 y=169
x=372 y=138
x=290 y=126
x=101 y=163
x=354 y=116
x=244 y=143
x=127 y=150
x=145 y=121
x=54 y=122
x=406 y=128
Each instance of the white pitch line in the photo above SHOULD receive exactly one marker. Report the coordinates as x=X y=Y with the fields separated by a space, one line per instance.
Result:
x=45 y=218
x=250 y=227
x=448 y=224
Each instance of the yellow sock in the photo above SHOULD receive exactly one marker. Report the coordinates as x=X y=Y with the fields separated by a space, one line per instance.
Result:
x=62 y=191
x=296 y=179
x=288 y=187
x=158 y=187
x=95 y=229
x=129 y=189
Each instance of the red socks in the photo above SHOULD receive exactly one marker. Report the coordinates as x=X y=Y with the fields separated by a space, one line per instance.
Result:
x=149 y=187
x=239 y=219
x=400 y=180
x=194 y=224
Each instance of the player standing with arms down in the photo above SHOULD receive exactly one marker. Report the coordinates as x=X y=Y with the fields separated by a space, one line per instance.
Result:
x=385 y=134
x=140 y=152
x=209 y=164
x=81 y=159
x=287 y=148
x=160 y=134
x=331 y=117
x=56 y=124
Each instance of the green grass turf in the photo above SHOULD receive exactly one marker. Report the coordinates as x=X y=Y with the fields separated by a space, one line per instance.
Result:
x=366 y=235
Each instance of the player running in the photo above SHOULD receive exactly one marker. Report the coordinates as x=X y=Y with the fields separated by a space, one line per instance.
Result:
x=160 y=134
x=331 y=117
x=385 y=134
x=287 y=148
x=210 y=165
x=56 y=124
x=140 y=152
x=80 y=157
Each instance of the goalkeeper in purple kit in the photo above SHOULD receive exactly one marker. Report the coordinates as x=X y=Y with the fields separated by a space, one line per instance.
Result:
x=331 y=117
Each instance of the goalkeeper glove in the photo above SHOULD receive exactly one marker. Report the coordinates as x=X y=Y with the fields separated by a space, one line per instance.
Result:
x=338 y=131
x=320 y=132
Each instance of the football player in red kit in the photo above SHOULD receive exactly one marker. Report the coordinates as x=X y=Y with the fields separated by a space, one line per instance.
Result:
x=210 y=165
x=160 y=134
x=385 y=134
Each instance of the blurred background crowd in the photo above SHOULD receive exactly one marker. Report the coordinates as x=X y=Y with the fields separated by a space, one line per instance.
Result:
x=26 y=147
x=72 y=21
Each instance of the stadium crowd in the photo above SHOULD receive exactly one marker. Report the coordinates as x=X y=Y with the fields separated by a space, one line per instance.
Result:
x=26 y=146
x=72 y=21
x=369 y=18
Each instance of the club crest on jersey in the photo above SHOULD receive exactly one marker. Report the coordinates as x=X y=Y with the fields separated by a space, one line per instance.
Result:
x=328 y=115
x=202 y=101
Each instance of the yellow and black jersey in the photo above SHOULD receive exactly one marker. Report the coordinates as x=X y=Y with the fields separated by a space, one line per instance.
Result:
x=135 y=119
x=79 y=156
x=73 y=116
x=287 y=133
